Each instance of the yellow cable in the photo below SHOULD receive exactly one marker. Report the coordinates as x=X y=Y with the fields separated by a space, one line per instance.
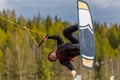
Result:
x=32 y=36
x=25 y=28
x=21 y=26
x=9 y=21
x=37 y=31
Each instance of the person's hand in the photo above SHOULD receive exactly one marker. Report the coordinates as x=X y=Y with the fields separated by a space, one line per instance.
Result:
x=45 y=37
x=73 y=73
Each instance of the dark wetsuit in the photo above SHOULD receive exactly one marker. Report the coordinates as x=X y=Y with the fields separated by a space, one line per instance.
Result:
x=67 y=51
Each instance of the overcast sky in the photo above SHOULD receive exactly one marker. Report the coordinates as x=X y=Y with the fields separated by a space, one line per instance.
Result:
x=102 y=10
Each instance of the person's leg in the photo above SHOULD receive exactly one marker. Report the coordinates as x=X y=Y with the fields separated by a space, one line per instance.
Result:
x=68 y=33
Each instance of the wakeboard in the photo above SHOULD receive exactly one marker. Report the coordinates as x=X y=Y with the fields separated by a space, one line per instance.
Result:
x=86 y=35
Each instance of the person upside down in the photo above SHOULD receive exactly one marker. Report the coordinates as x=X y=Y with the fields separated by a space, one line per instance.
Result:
x=65 y=51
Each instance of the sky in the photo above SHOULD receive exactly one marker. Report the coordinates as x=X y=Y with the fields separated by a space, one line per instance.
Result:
x=102 y=10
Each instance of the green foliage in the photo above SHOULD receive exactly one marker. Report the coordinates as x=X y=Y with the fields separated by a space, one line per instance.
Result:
x=22 y=21
x=3 y=38
x=1 y=57
x=20 y=59
x=113 y=36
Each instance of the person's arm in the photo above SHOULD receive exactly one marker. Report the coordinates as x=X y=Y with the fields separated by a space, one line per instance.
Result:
x=69 y=66
x=56 y=37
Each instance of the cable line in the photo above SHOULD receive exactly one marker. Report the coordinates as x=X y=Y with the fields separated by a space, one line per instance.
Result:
x=26 y=29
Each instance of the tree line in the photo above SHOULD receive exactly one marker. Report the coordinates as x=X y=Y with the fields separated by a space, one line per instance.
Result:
x=21 y=59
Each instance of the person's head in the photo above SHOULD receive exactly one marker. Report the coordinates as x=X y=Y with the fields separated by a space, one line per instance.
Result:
x=52 y=56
